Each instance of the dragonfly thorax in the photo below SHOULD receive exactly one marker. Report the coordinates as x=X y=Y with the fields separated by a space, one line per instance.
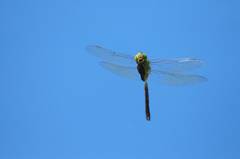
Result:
x=143 y=65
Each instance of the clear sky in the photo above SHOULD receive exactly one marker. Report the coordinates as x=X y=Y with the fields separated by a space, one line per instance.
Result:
x=57 y=102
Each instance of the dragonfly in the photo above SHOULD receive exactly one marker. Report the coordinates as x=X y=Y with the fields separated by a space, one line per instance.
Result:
x=167 y=71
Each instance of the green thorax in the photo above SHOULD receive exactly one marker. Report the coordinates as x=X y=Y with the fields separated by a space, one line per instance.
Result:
x=141 y=59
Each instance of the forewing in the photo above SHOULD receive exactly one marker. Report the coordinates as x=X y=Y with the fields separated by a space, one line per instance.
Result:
x=176 y=64
x=109 y=55
x=124 y=71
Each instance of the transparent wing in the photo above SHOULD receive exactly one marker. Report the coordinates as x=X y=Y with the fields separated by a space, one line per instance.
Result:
x=124 y=71
x=171 y=78
x=176 y=64
x=109 y=55
x=164 y=77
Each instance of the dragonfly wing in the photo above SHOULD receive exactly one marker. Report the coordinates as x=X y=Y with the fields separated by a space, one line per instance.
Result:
x=124 y=71
x=171 y=78
x=109 y=55
x=176 y=64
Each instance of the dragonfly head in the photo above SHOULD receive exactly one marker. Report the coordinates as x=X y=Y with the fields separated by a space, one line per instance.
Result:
x=140 y=57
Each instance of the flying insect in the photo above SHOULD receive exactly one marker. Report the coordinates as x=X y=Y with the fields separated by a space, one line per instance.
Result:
x=168 y=71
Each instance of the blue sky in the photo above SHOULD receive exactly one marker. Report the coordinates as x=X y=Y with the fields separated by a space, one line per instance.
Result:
x=56 y=102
